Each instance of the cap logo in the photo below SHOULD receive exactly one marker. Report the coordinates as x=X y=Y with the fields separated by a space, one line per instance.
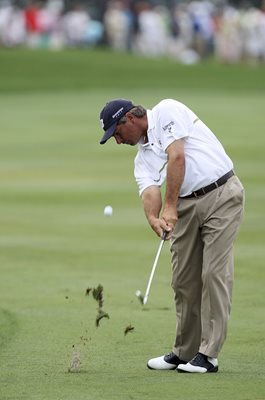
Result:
x=102 y=123
x=117 y=113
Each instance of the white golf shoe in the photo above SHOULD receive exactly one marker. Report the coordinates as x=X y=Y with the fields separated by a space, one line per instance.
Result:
x=166 y=362
x=199 y=364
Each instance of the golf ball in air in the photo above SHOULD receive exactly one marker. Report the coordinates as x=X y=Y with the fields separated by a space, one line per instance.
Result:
x=108 y=210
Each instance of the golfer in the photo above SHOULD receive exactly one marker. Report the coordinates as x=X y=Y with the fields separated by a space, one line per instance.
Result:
x=201 y=210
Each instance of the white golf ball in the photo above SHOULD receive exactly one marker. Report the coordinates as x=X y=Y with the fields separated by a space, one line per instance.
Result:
x=108 y=211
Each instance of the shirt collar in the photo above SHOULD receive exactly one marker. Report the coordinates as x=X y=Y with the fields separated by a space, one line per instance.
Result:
x=150 y=120
x=150 y=125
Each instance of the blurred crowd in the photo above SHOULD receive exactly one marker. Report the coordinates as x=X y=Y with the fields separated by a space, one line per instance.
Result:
x=188 y=31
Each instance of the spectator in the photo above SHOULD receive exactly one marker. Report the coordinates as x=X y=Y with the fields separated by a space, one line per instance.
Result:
x=12 y=26
x=152 y=37
x=228 y=41
x=253 y=39
x=181 y=46
x=201 y=13
x=74 y=26
x=118 y=25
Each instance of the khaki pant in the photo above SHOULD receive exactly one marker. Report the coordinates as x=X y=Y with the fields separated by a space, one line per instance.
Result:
x=202 y=262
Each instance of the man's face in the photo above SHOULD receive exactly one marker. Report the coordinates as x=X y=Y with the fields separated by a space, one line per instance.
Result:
x=129 y=132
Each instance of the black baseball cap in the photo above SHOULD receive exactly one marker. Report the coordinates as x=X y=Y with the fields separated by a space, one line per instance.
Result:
x=110 y=115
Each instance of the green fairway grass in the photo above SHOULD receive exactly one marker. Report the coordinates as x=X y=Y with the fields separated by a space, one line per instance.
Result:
x=55 y=180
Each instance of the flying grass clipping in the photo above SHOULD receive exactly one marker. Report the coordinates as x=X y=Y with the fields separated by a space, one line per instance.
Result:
x=97 y=294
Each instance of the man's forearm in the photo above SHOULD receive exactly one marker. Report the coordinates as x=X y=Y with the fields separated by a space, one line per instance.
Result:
x=175 y=175
x=151 y=196
x=152 y=203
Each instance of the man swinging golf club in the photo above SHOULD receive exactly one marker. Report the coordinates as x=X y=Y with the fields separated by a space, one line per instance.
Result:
x=201 y=211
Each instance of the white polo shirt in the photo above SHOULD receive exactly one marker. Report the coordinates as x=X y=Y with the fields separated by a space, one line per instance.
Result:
x=205 y=157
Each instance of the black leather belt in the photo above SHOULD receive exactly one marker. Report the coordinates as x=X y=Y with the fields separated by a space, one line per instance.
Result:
x=221 y=181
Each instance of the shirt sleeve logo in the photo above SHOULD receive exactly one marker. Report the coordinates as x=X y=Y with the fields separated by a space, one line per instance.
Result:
x=168 y=127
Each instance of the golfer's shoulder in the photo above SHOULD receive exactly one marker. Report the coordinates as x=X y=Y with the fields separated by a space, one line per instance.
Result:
x=168 y=105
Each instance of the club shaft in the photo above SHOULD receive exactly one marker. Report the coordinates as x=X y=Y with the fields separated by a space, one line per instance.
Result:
x=154 y=268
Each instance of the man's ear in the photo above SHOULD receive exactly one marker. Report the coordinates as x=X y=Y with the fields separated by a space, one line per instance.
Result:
x=130 y=117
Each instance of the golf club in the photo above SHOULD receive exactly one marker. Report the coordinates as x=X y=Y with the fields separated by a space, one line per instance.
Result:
x=143 y=299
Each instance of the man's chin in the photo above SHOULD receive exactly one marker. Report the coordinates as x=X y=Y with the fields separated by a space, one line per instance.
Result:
x=130 y=144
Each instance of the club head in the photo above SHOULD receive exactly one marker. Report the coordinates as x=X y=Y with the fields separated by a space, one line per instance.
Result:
x=140 y=296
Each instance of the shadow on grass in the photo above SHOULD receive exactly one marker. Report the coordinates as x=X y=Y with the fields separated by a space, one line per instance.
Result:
x=8 y=326
x=157 y=309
